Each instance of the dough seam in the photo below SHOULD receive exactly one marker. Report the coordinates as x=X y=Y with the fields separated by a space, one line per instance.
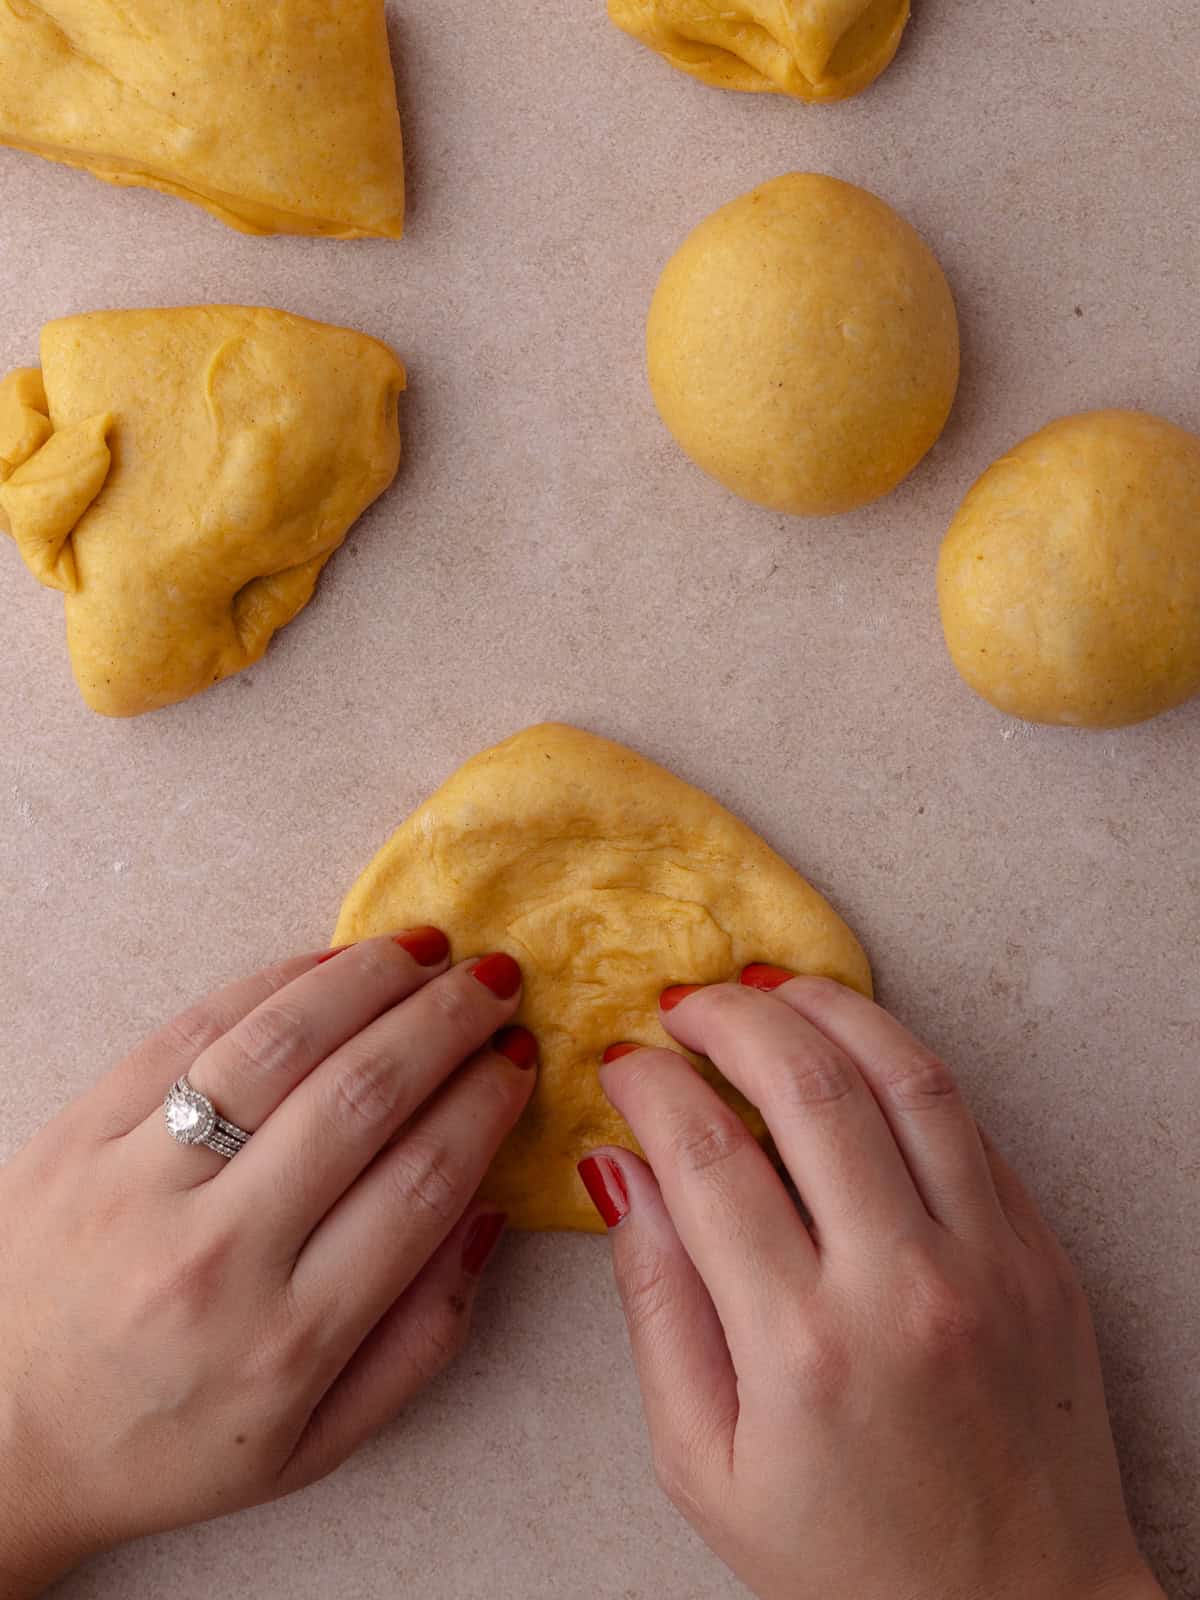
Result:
x=214 y=201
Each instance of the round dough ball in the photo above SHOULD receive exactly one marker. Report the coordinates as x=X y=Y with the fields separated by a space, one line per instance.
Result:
x=1069 y=581
x=803 y=346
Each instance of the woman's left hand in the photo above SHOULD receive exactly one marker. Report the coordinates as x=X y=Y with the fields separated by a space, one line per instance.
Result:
x=182 y=1335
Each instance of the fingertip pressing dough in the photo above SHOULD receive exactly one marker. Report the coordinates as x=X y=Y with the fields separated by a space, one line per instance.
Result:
x=608 y=879
x=276 y=118
x=1069 y=580
x=811 y=49
x=183 y=476
x=802 y=346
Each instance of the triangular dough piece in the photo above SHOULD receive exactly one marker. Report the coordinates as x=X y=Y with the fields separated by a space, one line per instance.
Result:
x=276 y=118
x=811 y=49
x=609 y=879
x=244 y=444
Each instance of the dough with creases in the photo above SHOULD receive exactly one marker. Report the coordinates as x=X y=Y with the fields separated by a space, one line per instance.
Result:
x=815 y=50
x=183 y=476
x=608 y=879
x=1069 y=580
x=802 y=346
x=275 y=117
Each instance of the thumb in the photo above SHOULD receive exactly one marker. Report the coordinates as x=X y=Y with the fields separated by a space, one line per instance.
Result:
x=688 y=1384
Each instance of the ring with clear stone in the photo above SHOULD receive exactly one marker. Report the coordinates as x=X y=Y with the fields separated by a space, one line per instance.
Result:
x=192 y=1118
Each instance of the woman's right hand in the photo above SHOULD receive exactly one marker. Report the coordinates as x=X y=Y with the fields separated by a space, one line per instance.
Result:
x=901 y=1400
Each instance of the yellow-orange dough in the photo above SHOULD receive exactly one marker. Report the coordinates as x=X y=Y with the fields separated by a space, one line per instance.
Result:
x=276 y=117
x=802 y=346
x=608 y=879
x=1069 y=580
x=812 y=49
x=183 y=476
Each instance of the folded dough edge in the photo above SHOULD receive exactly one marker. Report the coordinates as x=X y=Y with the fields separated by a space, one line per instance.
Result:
x=812 y=50
x=48 y=479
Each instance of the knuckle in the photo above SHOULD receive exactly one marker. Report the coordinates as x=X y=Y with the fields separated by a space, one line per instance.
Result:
x=725 y=1002
x=294 y=1359
x=820 y=988
x=375 y=960
x=639 y=1073
x=55 y=1153
x=646 y=1288
x=672 y=1471
x=370 y=959
x=919 y=1081
x=439 y=1334
x=722 y=1010
x=497 y=1091
x=285 y=1356
x=427 y=1181
x=192 y=1033
x=364 y=1090
x=453 y=1002
x=190 y=1277
x=702 y=1146
x=814 y=1076
x=945 y=1321
x=818 y=1366
x=270 y=1039
x=687 y=1477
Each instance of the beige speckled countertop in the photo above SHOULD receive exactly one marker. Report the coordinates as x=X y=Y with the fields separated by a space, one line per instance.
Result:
x=1031 y=898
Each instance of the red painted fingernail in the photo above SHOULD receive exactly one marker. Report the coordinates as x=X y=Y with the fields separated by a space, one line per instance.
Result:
x=605 y=1184
x=427 y=946
x=519 y=1045
x=759 y=976
x=500 y=974
x=616 y=1051
x=670 y=998
x=329 y=954
x=481 y=1239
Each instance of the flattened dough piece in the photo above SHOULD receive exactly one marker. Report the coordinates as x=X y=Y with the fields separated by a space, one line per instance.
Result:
x=183 y=476
x=276 y=118
x=814 y=50
x=608 y=878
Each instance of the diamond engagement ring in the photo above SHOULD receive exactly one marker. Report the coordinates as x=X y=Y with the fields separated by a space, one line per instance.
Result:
x=191 y=1118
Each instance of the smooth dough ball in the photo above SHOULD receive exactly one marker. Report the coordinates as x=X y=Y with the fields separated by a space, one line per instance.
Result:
x=608 y=879
x=1069 y=581
x=815 y=50
x=803 y=346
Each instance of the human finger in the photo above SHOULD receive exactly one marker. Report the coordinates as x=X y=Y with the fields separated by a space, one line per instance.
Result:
x=328 y=1131
x=1020 y=1208
x=684 y=1369
x=728 y=1205
x=825 y=1122
x=250 y=1070
x=133 y=1089
x=916 y=1092
x=417 y=1338
x=384 y=1229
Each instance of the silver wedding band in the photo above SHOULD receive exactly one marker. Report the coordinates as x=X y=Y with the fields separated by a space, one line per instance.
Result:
x=192 y=1119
